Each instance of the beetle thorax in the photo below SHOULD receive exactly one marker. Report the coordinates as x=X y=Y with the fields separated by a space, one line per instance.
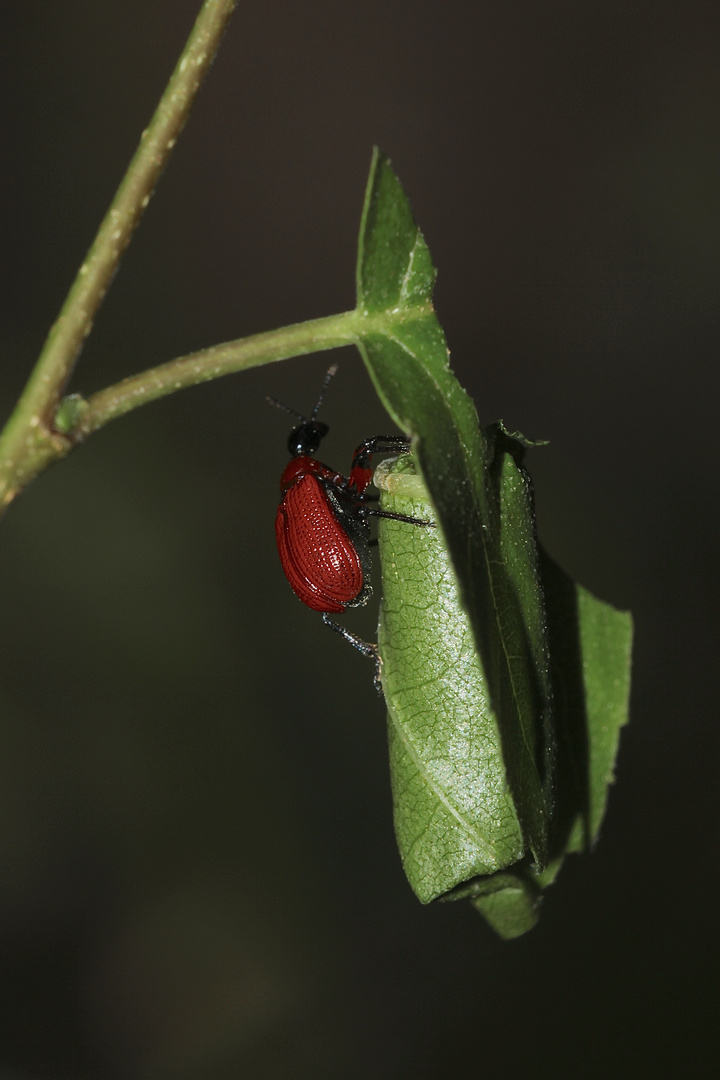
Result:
x=303 y=465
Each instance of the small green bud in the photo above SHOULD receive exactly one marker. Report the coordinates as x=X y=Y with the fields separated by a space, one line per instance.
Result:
x=70 y=409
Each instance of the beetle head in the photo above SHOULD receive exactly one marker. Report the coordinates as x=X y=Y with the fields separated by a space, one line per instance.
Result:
x=306 y=437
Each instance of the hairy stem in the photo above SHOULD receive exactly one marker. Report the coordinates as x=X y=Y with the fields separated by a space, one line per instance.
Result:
x=315 y=335
x=29 y=441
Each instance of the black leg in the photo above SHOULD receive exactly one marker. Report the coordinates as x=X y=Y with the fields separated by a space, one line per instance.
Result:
x=368 y=511
x=379 y=444
x=365 y=647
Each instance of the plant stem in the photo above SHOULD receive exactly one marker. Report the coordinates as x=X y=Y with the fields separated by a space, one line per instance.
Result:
x=77 y=417
x=29 y=441
x=316 y=335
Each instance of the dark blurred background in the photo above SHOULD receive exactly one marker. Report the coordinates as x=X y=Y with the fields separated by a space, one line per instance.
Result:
x=198 y=875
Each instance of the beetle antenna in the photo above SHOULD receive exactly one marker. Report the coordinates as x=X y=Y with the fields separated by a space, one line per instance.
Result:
x=293 y=412
x=285 y=408
x=326 y=382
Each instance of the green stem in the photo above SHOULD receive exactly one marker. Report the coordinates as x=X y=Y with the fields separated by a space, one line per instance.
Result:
x=76 y=417
x=315 y=335
x=29 y=441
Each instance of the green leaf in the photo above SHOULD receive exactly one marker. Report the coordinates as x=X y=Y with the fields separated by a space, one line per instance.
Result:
x=405 y=351
x=510 y=903
x=394 y=265
x=506 y=683
x=591 y=645
x=455 y=816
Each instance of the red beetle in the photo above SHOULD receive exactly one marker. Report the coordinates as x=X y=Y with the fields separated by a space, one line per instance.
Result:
x=322 y=527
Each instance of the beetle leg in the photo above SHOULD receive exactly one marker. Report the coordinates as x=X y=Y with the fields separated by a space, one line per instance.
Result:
x=365 y=647
x=361 y=473
x=366 y=511
x=381 y=444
